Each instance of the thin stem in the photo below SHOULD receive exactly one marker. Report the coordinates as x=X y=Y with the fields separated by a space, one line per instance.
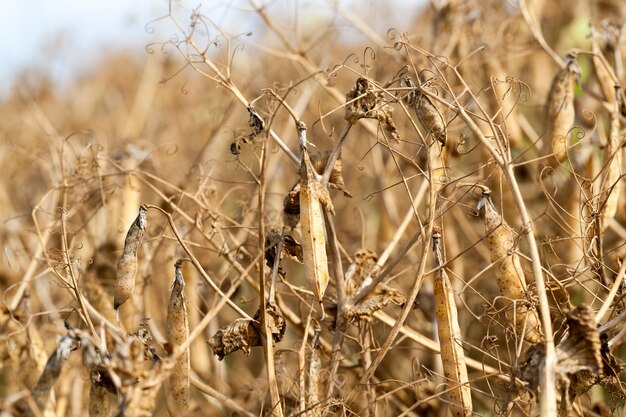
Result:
x=266 y=334
x=197 y=264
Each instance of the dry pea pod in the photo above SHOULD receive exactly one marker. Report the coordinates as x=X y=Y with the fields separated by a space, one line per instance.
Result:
x=560 y=111
x=314 y=199
x=177 y=332
x=452 y=355
x=127 y=265
x=50 y=374
x=509 y=271
x=427 y=114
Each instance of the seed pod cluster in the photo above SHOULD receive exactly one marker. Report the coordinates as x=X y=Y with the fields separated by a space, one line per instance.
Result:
x=452 y=355
x=127 y=265
x=509 y=272
x=177 y=333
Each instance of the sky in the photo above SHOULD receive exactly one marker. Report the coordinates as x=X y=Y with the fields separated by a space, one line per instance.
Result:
x=65 y=37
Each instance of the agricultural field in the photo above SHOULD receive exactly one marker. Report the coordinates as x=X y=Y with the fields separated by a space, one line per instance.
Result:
x=323 y=213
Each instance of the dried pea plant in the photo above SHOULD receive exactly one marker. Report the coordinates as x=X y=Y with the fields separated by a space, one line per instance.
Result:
x=434 y=226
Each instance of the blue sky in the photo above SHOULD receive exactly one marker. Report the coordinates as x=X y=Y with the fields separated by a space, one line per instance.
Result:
x=65 y=37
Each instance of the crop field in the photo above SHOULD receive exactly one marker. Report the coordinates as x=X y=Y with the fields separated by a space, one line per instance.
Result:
x=323 y=213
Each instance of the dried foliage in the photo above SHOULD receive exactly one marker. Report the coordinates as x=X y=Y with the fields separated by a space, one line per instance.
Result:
x=407 y=119
x=243 y=334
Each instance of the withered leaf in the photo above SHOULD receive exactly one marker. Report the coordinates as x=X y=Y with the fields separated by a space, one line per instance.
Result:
x=290 y=247
x=579 y=357
x=291 y=207
x=320 y=160
x=363 y=265
x=363 y=103
x=256 y=121
x=382 y=297
x=242 y=334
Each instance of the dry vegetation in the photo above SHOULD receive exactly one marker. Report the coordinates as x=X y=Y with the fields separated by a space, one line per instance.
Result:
x=427 y=221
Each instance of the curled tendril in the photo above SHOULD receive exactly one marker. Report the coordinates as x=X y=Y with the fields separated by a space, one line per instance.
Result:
x=523 y=90
x=372 y=56
x=443 y=61
x=392 y=34
x=169 y=148
x=579 y=133
x=461 y=144
x=587 y=114
x=150 y=26
x=239 y=47
x=344 y=64
x=96 y=147
x=174 y=39
x=149 y=48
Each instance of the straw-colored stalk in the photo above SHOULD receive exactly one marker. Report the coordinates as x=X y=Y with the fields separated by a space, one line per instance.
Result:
x=611 y=181
x=560 y=112
x=127 y=265
x=509 y=272
x=315 y=392
x=177 y=333
x=314 y=198
x=452 y=356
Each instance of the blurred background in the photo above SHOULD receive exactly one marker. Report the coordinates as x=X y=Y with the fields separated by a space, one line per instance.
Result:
x=61 y=39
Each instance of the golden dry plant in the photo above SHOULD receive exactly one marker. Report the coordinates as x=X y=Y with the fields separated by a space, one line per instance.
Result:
x=346 y=195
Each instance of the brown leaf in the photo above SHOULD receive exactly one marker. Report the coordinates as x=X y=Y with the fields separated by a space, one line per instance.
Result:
x=242 y=334
x=291 y=207
x=363 y=103
x=382 y=296
x=362 y=267
x=256 y=121
x=320 y=160
x=579 y=357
